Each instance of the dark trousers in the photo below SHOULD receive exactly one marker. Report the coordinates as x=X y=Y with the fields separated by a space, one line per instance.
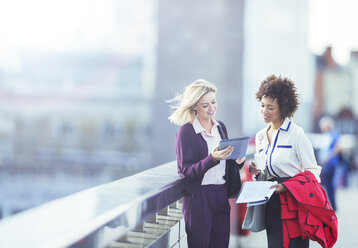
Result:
x=274 y=229
x=207 y=218
x=327 y=175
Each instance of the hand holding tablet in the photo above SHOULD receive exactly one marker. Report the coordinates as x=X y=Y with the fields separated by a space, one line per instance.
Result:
x=239 y=144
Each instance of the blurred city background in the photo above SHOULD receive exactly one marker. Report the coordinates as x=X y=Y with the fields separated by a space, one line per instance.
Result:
x=84 y=84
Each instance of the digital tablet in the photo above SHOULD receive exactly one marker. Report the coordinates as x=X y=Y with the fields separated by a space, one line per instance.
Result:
x=239 y=144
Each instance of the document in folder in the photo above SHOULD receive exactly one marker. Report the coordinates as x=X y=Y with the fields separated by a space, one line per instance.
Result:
x=255 y=193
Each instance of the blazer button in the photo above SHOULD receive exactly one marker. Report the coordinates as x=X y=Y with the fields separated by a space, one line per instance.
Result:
x=311 y=195
x=302 y=183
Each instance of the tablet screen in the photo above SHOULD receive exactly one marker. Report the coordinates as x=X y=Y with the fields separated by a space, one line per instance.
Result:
x=239 y=144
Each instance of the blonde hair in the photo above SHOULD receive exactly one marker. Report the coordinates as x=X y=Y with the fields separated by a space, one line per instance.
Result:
x=185 y=102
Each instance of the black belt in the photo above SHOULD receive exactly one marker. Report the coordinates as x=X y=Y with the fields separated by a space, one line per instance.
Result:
x=279 y=179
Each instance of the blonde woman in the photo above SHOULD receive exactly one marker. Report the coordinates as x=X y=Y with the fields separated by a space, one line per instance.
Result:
x=206 y=207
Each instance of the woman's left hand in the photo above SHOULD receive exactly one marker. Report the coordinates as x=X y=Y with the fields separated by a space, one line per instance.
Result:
x=240 y=160
x=279 y=188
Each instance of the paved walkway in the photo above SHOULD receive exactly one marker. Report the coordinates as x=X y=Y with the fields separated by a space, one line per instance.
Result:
x=347 y=204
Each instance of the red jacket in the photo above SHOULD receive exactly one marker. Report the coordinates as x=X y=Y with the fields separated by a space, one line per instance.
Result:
x=306 y=212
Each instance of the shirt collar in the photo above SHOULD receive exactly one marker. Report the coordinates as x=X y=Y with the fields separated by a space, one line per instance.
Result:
x=199 y=128
x=284 y=126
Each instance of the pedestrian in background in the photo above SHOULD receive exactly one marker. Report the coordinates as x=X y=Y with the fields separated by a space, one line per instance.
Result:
x=329 y=158
x=206 y=208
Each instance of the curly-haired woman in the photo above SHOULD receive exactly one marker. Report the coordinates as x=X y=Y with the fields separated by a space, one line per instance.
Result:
x=287 y=149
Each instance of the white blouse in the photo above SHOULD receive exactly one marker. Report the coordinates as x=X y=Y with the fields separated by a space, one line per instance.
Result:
x=214 y=175
x=290 y=151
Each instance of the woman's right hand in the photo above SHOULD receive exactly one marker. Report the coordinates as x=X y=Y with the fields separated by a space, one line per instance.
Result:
x=252 y=169
x=222 y=154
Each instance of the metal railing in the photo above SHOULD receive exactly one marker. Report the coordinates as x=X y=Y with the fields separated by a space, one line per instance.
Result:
x=100 y=216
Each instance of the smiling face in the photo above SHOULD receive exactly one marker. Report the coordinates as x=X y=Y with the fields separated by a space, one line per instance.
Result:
x=206 y=107
x=270 y=110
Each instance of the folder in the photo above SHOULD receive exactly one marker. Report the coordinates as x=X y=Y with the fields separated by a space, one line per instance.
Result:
x=255 y=192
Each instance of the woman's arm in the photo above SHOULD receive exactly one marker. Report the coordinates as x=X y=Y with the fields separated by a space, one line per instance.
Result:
x=186 y=156
x=252 y=167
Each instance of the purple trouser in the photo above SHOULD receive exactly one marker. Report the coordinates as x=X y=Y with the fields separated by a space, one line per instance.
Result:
x=207 y=218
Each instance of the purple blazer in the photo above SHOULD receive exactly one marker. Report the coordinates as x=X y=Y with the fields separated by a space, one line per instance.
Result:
x=193 y=157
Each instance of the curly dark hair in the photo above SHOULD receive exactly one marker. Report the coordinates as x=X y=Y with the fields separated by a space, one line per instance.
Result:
x=281 y=89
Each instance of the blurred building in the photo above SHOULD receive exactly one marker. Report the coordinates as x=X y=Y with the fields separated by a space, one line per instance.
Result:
x=336 y=92
x=89 y=126
x=198 y=40
x=333 y=91
x=75 y=116
x=353 y=74
x=276 y=42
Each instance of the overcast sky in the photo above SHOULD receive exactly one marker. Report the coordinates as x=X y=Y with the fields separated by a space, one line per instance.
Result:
x=333 y=22
x=90 y=24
